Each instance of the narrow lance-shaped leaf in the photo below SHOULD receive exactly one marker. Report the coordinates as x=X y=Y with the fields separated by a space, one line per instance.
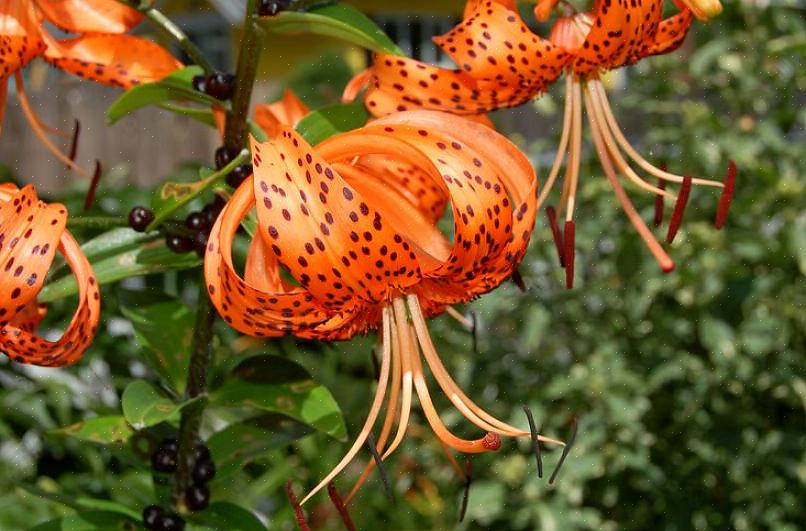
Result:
x=337 y=20
x=103 y=430
x=330 y=120
x=145 y=406
x=176 y=86
x=173 y=195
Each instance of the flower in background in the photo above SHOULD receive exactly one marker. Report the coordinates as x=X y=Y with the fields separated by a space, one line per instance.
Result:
x=359 y=240
x=101 y=51
x=504 y=64
x=31 y=232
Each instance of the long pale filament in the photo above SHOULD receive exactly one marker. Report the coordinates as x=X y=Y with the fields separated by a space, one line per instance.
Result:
x=561 y=149
x=652 y=244
x=469 y=409
x=36 y=125
x=598 y=92
x=594 y=109
x=405 y=346
x=391 y=412
x=571 y=176
x=377 y=402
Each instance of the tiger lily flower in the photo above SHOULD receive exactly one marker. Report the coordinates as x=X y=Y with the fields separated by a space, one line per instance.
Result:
x=100 y=52
x=360 y=240
x=504 y=64
x=31 y=232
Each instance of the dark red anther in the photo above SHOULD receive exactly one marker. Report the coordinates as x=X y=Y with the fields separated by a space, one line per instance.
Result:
x=468 y=481
x=96 y=178
x=570 y=251
x=566 y=450
x=727 y=196
x=535 y=440
x=659 y=203
x=74 y=142
x=551 y=214
x=301 y=522
x=679 y=209
x=518 y=280
x=339 y=503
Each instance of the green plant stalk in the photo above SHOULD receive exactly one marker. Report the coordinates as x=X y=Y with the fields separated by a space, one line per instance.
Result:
x=201 y=349
x=248 y=55
x=175 y=32
x=97 y=222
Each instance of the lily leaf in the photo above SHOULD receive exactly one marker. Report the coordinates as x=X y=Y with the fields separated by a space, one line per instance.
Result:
x=330 y=120
x=176 y=86
x=278 y=385
x=238 y=444
x=225 y=515
x=336 y=20
x=174 y=195
x=144 y=259
x=145 y=406
x=164 y=348
x=89 y=521
x=103 y=430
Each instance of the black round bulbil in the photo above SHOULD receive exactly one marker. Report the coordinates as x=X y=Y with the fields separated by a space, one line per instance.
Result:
x=140 y=218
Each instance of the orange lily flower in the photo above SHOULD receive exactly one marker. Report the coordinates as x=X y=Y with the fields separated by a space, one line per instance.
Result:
x=365 y=254
x=31 y=232
x=287 y=111
x=500 y=58
x=101 y=52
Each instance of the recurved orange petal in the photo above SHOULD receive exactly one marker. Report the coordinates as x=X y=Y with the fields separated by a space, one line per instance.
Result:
x=89 y=16
x=334 y=243
x=671 y=33
x=288 y=111
x=30 y=233
x=117 y=60
x=20 y=40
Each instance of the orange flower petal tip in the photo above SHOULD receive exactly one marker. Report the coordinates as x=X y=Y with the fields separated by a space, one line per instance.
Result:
x=31 y=232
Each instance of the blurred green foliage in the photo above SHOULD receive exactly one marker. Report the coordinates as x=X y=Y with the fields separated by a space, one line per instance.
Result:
x=690 y=387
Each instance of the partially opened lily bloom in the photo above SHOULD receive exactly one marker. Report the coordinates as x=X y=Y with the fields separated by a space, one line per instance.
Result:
x=365 y=254
x=100 y=52
x=31 y=232
x=504 y=64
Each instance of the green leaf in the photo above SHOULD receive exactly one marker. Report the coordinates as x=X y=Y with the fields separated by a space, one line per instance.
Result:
x=339 y=20
x=144 y=259
x=145 y=406
x=205 y=116
x=103 y=430
x=271 y=383
x=172 y=196
x=238 y=444
x=165 y=347
x=177 y=86
x=79 y=503
x=89 y=521
x=330 y=120
x=224 y=515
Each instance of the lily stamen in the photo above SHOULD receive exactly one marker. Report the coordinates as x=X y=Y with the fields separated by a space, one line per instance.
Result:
x=41 y=133
x=302 y=523
x=566 y=450
x=556 y=234
x=340 y=507
x=657 y=219
x=679 y=210
x=468 y=474
x=535 y=440
x=727 y=196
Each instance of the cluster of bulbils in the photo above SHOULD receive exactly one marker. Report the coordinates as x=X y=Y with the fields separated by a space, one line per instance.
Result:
x=197 y=497
x=191 y=236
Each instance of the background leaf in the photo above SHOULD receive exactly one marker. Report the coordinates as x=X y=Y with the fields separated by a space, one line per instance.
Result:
x=337 y=20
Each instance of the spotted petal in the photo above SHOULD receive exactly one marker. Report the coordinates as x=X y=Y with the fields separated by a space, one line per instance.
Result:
x=31 y=231
x=117 y=60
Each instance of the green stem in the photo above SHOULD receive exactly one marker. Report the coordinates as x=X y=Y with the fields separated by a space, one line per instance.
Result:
x=96 y=222
x=248 y=56
x=175 y=32
x=201 y=353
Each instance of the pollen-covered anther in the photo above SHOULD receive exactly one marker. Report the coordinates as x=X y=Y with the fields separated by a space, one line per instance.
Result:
x=491 y=442
x=335 y=497
x=556 y=234
x=727 y=196
x=657 y=220
x=302 y=523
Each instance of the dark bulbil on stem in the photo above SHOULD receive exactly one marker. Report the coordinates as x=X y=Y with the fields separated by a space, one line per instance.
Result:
x=269 y=8
x=140 y=218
